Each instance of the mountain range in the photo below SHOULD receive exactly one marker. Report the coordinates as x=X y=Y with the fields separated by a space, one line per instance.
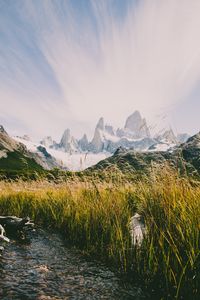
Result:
x=21 y=153
x=134 y=135
x=184 y=157
x=15 y=157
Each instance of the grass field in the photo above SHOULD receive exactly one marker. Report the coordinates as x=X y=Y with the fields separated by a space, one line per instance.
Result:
x=94 y=216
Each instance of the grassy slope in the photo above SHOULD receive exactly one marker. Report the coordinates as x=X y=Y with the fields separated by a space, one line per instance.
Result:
x=17 y=164
x=135 y=165
x=95 y=216
x=185 y=158
x=17 y=161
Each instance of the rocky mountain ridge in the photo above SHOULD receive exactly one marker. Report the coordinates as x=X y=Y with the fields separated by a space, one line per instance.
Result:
x=15 y=156
x=134 y=135
x=184 y=157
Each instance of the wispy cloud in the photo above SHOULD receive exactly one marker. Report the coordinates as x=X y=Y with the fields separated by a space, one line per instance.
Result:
x=63 y=63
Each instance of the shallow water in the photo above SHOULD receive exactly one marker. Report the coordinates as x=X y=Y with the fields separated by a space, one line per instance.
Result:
x=45 y=269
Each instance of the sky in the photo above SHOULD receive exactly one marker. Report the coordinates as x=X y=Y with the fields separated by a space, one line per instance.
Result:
x=66 y=63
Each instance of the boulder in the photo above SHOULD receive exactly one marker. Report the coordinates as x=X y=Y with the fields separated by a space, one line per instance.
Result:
x=14 y=224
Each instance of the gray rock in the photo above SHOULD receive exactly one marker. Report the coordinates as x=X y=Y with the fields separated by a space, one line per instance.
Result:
x=182 y=137
x=109 y=129
x=185 y=158
x=68 y=143
x=83 y=143
x=100 y=124
x=137 y=230
x=97 y=144
x=167 y=137
x=47 y=141
x=2 y=235
x=2 y=130
x=137 y=126
x=45 y=159
x=12 y=223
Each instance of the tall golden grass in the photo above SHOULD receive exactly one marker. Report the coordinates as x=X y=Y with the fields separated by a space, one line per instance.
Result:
x=94 y=216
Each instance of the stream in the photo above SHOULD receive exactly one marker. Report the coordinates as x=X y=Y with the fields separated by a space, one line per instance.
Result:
x=43 y=268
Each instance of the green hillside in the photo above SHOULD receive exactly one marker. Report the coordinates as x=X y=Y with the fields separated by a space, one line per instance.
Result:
x=15 y=160
x=185 y=159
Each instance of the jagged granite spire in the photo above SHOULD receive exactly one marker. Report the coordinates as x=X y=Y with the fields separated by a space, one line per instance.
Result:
x=68 y=142
x=97 y=144
x=83 y=143
x=100 y=124
x=109 y=129
x=167 y=136
x=47 y=141
x=65 y=138
x=137 y=125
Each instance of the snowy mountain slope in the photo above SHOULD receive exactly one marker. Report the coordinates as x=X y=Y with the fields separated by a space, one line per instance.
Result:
x=65 y=160
x=137 y=126
x=135 y=134
x=39 y=153
x=14 y=156
x=73 y=154
x=184 y=157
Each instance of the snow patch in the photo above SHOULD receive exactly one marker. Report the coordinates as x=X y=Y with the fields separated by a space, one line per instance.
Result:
x=73 y=162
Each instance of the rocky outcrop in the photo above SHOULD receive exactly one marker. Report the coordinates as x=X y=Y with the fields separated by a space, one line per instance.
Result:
x=14 y=226
x=100 y=124
x=65 y=140
x=7 y=143
x=68 y=143
x=12 y=223
x=83 y=143
x=45 y=159
x=137 y=230
x=2 y=235
x=137 y=126
x=190 y=152
x=48 y=142
x=164 y=141
x=135 y=135
x=97 y=144
x=2 y=130
x=109 y=129
x=182 y=137
x=14 y=155
x=185 y=158
x=167 y=137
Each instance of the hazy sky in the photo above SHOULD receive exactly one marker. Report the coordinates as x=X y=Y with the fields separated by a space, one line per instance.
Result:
x=65 y=63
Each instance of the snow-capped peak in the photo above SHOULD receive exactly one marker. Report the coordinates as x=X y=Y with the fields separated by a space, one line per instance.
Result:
x=47 y=141
x=167 y=136
x=100 y=124
x=135 y=134
x=137 y=126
